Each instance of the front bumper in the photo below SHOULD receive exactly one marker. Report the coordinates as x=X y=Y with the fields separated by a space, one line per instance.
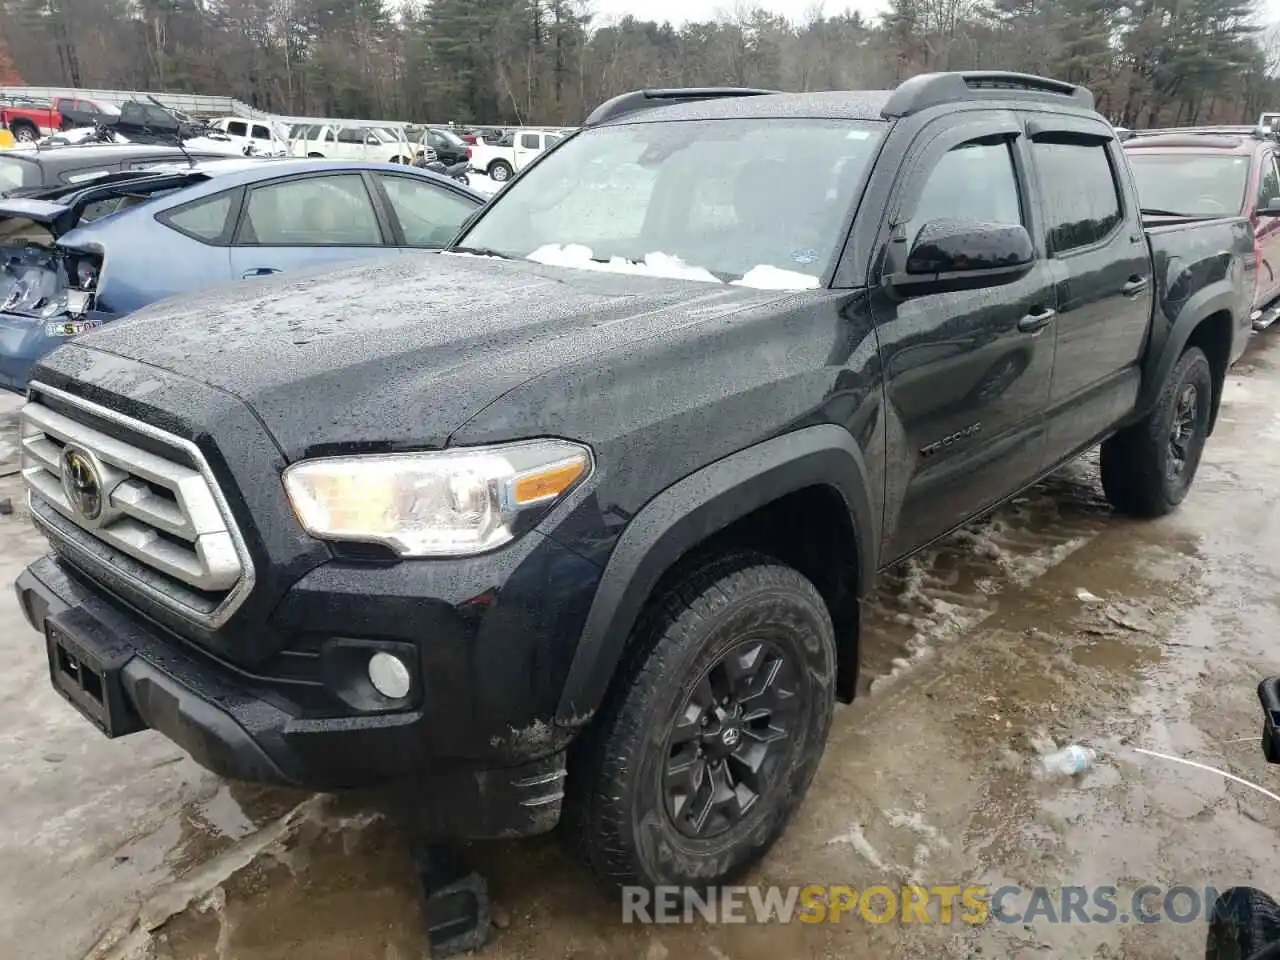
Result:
x=207 y=708
x=24 y=341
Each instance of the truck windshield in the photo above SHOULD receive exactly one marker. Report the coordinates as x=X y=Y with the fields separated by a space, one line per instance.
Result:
x=757 y=202
x=15 y=173
x=1191 y=184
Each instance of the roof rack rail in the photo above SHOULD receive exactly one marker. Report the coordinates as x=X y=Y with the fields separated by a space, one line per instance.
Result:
x=1242 y=130
x=637 y=100
x=932 y=89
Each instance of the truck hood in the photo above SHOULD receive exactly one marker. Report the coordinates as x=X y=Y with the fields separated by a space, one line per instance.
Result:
x=399 y=353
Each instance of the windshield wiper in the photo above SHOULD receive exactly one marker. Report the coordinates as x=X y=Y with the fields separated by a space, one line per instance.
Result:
x=481 y=252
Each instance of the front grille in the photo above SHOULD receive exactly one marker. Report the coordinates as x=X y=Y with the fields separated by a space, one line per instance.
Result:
x=131 y=503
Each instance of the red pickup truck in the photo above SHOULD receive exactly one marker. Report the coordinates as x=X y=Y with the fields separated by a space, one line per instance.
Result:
x=28 y=120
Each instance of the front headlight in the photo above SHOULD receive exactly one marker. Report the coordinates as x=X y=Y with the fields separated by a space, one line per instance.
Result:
x=438 y=504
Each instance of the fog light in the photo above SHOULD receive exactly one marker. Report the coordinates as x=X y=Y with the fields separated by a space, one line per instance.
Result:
x=389 y=676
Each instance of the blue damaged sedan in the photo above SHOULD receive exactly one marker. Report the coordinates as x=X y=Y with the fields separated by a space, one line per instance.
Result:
x=76 y=257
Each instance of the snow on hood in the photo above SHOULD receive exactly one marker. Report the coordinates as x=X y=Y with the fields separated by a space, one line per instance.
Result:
x=653 y=265
x=765 y=277
x=659 y=264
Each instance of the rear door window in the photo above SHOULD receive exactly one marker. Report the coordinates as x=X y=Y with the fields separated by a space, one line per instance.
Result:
x=313 y=211
x=1081 y=196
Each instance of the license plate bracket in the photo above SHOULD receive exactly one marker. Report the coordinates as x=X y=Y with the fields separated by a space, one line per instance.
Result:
x=86 y=672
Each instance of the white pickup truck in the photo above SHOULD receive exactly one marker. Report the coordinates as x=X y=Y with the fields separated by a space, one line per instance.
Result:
x=513 y=152
x=263 y=137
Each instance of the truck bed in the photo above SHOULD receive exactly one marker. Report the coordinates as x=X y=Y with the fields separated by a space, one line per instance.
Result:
x=1192 y=254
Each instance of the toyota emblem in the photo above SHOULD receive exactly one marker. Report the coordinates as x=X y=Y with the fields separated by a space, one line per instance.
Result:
x=81 y=483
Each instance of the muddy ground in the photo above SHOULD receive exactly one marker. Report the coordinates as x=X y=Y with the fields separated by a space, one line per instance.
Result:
x=977 y=656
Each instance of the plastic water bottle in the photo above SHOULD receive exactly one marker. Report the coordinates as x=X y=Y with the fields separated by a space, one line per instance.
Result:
x=1069 y=761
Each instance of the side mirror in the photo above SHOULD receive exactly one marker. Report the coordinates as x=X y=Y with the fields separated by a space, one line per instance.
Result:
x=951 y=255
x=371 y=140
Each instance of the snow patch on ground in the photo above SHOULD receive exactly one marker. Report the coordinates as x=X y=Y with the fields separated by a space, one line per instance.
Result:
x=855 y=838
x=948 y=589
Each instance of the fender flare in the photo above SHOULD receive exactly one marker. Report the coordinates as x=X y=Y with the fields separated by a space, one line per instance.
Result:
x=691 y=510
x=1216 y=298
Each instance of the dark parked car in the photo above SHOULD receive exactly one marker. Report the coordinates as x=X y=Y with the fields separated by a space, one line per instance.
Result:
x=25 y=171
x=576 y=515
x=75 y=258
x=149 y=121
x=78 y=112
x=1212 y=172
x=449 y=147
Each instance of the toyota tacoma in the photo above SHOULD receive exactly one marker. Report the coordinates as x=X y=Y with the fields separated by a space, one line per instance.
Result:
x=571 y=521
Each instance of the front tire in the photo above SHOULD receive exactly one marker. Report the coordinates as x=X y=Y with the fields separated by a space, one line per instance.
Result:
x=1147 y=469
x=711 y=734
x=500 y=171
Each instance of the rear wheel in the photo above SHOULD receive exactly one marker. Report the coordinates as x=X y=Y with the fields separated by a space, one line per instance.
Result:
x=500 y=171
x=1147 y=469
x=1244 y=921
x=317 y=156
x=24 y=131
x=711 y=735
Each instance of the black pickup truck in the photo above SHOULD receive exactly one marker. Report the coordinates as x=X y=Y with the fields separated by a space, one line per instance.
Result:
x=575 y=516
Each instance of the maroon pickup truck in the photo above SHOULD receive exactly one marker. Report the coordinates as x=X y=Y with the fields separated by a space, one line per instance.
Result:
x=1205 y=172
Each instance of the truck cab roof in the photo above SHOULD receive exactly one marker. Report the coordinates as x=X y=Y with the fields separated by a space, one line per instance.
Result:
x=915 y=95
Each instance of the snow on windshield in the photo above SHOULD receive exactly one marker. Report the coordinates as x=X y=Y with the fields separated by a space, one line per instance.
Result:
x=657 y=264
x=756 y=202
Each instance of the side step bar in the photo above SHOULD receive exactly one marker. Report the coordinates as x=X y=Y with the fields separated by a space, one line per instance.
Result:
x=1265 y=318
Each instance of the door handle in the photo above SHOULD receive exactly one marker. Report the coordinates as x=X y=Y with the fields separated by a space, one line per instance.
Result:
x=258 y=272
x=1035 y=322
x=1135 y=285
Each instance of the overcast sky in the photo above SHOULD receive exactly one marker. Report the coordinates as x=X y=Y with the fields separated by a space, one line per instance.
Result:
x=679 y=11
